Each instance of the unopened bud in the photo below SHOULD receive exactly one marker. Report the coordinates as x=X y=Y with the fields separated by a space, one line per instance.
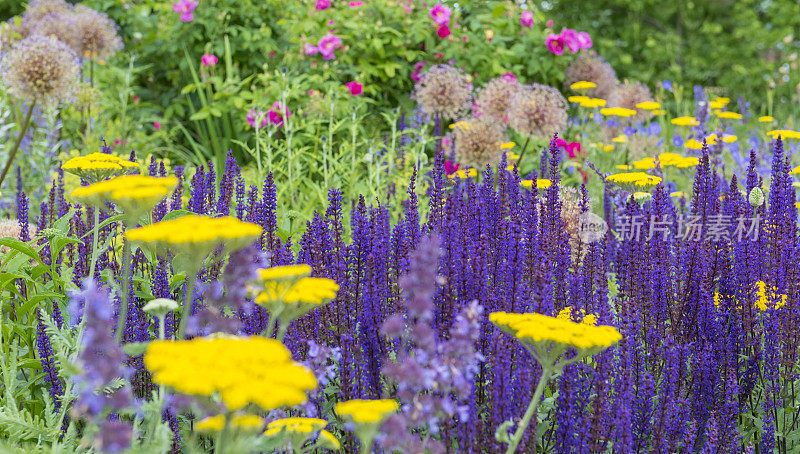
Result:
x=756 y=197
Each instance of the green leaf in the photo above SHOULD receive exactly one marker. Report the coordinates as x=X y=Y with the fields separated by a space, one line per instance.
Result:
x=135 y=348
x=21 y=247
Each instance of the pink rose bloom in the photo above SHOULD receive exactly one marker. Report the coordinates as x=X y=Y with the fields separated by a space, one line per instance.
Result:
x=185 y=8
x=440 y=14
x=443 y=31
x=157 y=125
x=323 y=4
x=310 y=49
x=555 y=44
x=584 y=40
x=276 y=114
x=570 y=38
x=439 y=55
x=550 y=23
x=327 y=45
x=509 y=77
x=256 y=116
x=526 y=19
x=354 y=87
x=209 y=60
x=450 y=167
x=356 y=4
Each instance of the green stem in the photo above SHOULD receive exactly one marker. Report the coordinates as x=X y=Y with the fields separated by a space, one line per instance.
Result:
x=161 y=328
x=15 y=148
x=187 y=304
x=223 y=435
x=522 y=153
x=95 y=234
x=523 y=425
x=366 y=445
x=123 y=293
x=258 y=148
x=270 y=325
x=282 y=331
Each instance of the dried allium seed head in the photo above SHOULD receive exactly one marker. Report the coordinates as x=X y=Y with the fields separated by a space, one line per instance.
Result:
x=478 y=141
x=538 y=110
x=592 y=68
x=96 y=34
x=629 y=94
x=37 y=9
x=40 y=68
x=10 y=228
x=495 y=97
x=59 y=25
x=571 y=210
x=444 y=90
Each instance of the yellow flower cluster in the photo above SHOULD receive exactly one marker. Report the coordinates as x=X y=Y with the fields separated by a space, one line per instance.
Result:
x=463 y=174
x=784 y=134
x=727 y=138
x=765 y=119
x=284 y=273
x=300 y=430
x=768 y=298
x=685 y=121
x=361 y=411
x=618 y=112
x=531 y=328
x=693 y=144
x=582 y=85
x=134 y=194
x=622 y=138
x=196 y=233
x=667 y=160
x=98 y=166
x=242 y=370
x=634 y=178
x=291 y=299
x=648 y=105
x=249 y=423
x=541 y=183
x=587 y=102
x=729 y=115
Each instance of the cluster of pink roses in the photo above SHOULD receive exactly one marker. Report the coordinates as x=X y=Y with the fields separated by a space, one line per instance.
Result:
x=275 y=115
x=569 y=38
x=441 y=17
x=185 y=8
x=326 y=47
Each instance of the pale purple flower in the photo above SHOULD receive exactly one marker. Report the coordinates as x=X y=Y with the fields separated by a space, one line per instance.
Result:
x=185 y=8
x=310 y=49
x=209 y=60
x=327 y=45
x=584 y=40
x=526 y=19
x=440 y=14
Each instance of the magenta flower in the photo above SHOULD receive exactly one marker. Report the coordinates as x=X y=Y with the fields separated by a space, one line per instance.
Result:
x=584 y=40
x=323 y=4
x=440 y=14
x=310 y=49
x=185 y=8
x=509 y=77
x=417 y=69
x=570 y=39
x=327 y=45
x=550 y=23
x=555 y=44
x=276 y=114
x=157 y=125
x=526 y=19
x=451 y=167
x=209 y=60
x=255 y=117
x=443 y=31
x=356 y=4
x=355 y=88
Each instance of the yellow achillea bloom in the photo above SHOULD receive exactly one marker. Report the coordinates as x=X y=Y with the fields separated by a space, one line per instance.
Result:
x=533 y=328
x=134 y=194
x=578 y=99
x=566 y=314
x=541 y=183
x=634 y=178
x=643 y=164
x=593 y=102
x=327 y=440
x=582 y=85
x=765 y=119
x=723 y=100
x=284 y=273
x=366 y=412
x=648 y=105
x=768 y=299
x=460 y=124
x=195 y=232
x=676 y=194
x=684 y=121
x=295 y=424
x=98 y=166
x=716 y=105
x=241 y=370
x=508 y=145
x=623 y=167
x=784 y=134
x=620 y=139
x=511 y=156
x=730 y=115
x=241 y=422
x=693 y=144
x=796 y=170
x=463 y=174
x=618 y=112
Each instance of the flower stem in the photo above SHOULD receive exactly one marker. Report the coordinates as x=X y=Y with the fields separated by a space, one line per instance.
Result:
x=187 y=304
x=25 y=122
x=282 y=331
x=522 y=153
x=523 y=425
x=95 y=234
x=123 y=293
x=270 y=325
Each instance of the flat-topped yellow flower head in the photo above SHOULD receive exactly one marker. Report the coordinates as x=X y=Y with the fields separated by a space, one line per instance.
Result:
x=648 y=105
x=729 y=115
x=784 y=134
x=241 y=370
x=582 y=85
x=289 y=300
x=284 y=273
x=196 y=235
x=298 y=430
x=578 y=99
x=366 y=412
x=246 y=423
x=591 y=103
x=134 y=195
x=533 y=328
x=98 y=166
x=618 y=112
x=685 y=121
x=765 y=119
x=634 y=178
x=463 y=174
x=541 y=183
